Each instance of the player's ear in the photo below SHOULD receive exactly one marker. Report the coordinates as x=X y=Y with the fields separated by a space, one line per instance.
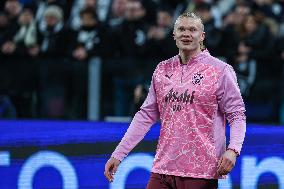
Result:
x=203 y=36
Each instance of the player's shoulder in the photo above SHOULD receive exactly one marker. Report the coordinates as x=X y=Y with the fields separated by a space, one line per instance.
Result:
x=168 y=63
x=219 y=63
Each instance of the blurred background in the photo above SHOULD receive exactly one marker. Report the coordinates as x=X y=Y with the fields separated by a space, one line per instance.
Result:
x=93 y=59
x=89 y=63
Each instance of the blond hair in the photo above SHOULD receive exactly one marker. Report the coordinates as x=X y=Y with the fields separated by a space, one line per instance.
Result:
x=191 y=15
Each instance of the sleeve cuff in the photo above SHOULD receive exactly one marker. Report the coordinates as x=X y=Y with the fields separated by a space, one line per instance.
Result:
x=234 y=150
x=117 y=156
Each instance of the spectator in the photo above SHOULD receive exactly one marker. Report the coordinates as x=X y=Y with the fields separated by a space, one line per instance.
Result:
x=159 y=36
x=270 y=8
x=52 y=43
x=19 y=48
x=150 y=10
x=230 y=37
x=44 y=4
x=13 y=9
x=220 y=8
x=134 y=25
x=213 y=35
x=75 y=20
x=86 y=42
x=25 y=39
x=253 y=53
x=50 y=32
x=272 y=25
x=116 y=14
x=89 y=40
x=179 y=6
x=129 y=50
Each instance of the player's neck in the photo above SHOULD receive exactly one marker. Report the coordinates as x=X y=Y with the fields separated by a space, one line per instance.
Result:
x=187 y=55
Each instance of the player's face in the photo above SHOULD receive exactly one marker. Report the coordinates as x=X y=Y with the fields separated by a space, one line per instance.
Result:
x=188 y=34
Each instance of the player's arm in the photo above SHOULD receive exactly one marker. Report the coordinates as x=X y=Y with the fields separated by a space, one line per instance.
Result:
x=140 y=125
x=231 y=103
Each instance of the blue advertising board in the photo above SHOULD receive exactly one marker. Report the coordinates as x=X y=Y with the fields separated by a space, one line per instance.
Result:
x=72 y=155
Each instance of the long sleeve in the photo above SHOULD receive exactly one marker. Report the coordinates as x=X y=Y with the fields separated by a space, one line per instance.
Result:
x=140 y=125
x=231 y=104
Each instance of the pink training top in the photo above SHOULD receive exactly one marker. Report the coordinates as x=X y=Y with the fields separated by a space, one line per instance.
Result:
x=192 y=101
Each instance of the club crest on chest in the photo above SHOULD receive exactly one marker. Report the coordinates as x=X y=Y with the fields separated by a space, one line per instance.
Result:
x=196 y=79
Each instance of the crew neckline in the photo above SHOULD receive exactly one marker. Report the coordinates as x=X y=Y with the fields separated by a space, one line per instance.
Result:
x=198 y=56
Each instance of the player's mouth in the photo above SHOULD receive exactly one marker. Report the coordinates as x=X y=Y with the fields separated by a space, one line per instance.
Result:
x=186 y=41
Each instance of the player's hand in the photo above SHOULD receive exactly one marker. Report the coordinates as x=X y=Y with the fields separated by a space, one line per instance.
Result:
x=111 y=168
x=227 y=162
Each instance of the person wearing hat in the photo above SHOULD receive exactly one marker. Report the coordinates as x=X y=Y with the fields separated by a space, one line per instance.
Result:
x=53 y=40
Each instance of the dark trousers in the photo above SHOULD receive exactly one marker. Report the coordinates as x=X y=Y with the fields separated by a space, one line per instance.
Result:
x=158 y=181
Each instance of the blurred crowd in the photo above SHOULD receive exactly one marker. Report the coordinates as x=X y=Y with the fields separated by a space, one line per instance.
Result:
x=46 y=47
